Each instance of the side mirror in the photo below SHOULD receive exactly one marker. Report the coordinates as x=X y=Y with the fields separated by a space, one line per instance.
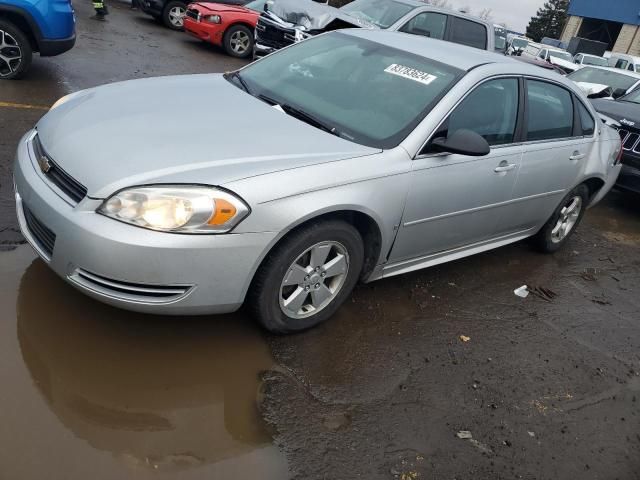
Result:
x=618 y=92
x=461 y=142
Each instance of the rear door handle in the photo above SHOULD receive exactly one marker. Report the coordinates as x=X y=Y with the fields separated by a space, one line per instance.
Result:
x=576 y=156
x=504 y=167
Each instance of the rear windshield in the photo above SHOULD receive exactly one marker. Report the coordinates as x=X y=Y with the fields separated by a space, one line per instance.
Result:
x=562 y=55
x=382 y=13
x=369 y=93
x=597 y=61
x=615 y=80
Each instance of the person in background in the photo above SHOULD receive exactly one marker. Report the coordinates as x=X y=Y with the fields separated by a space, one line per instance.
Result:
x=101 y=10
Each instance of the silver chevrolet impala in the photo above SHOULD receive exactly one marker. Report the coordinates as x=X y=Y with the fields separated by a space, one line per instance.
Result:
x=371 y=154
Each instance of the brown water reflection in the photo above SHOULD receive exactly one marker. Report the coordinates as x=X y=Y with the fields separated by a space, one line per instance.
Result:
x=173 y=395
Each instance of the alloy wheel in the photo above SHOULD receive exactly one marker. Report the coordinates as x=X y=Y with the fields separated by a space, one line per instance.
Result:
x=10 y=54
x=176 y=16
x=568 y=218
x=239 y=42
x=314 y=279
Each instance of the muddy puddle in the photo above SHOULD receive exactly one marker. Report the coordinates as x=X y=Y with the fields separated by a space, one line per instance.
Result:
x=89 y=391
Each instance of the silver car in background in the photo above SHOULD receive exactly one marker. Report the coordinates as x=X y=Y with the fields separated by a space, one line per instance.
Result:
x=372 y=154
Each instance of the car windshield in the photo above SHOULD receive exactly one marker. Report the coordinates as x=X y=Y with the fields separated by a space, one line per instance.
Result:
x=520 y=43
x=633 y=97
x=615 y=80
x=257 y=5
x=382 y=13
x=597 y=61
x=561 y=55
x=360 y=90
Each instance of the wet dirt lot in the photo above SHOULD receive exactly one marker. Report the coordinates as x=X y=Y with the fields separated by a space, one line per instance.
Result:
x=548 y=388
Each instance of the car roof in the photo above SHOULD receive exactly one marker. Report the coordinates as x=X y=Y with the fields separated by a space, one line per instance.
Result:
x=628 y=73
x=446 y=11
x=458 y=56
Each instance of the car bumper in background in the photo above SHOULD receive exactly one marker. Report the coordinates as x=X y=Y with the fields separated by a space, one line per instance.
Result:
x=629 y=179
x=204 y=31
x=127 y=266
x=50 y=48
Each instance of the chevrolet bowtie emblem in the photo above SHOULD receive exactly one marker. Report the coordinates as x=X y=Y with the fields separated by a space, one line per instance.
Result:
x=44 y=164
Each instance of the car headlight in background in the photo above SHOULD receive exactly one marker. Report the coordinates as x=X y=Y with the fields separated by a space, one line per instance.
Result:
x=212 y=19
x=178 y=208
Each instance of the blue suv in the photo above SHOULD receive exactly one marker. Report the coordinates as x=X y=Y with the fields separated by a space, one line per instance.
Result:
x=27 y=26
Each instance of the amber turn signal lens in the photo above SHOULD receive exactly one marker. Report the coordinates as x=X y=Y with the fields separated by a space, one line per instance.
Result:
x=225 y=211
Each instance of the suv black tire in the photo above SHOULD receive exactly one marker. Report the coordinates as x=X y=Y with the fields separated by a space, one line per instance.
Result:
x=166 y=18
x=544 y=240
x=264 y=295
x=21 y=42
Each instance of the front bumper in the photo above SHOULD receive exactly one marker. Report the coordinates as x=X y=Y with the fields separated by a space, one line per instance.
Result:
x=207 y=32
x=629 y=179
x=128 y=266
x=151 y=7
x=260 y=50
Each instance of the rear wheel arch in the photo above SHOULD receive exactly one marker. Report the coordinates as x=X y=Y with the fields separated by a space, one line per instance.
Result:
x=594 y=184
x=23 y=21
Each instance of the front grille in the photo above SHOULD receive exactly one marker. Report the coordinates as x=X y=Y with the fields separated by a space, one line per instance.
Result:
x=194 y=14
x=56 y=175
x=630 y=141
x=273 y=36
x=44 y=237
x=135 y=292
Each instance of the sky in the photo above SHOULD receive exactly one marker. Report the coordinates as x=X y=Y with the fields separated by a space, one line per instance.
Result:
x=515 y=13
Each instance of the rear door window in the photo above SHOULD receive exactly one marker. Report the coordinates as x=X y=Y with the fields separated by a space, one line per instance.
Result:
x=549 y=111
x=622 y=64
x=467 y=32
x=427 y=24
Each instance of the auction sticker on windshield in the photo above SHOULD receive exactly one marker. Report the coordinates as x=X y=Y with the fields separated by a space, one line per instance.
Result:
x=410 y=73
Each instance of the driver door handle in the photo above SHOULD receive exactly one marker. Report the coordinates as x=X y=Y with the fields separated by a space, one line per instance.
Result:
x=576 y=156
x=504 y=167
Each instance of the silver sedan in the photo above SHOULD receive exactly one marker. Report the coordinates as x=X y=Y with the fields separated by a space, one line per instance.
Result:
x=370 y=154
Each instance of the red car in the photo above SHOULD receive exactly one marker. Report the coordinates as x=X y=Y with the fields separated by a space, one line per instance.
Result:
x=228 y=26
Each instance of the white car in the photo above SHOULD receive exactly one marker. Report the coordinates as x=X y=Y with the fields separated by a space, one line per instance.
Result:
x=605 y=82
x=555 y=56
x=588 y=59
x=624 y=62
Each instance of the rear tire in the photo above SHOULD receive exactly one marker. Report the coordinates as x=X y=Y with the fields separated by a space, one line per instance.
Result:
x=15 y=52
x=564 y=221
x=288 y=275
x=173 y=15
x=238 y=41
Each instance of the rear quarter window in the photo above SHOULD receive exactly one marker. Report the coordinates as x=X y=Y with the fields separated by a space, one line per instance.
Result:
x=467 y=32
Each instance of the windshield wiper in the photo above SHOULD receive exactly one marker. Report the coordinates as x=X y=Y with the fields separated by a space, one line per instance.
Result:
x=300 y=115
x=236 y=75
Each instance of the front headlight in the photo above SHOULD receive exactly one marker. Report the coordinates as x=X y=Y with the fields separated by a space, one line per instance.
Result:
x=178 y=209
x=212 y=19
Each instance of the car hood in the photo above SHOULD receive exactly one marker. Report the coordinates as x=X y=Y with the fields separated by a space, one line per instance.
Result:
x=626 y=113
x=591 y=88
x=180 y=129
x=222 y=7
x=312 y=16
x=564 y=64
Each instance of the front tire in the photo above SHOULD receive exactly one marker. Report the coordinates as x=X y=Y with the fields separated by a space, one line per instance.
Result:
x=564 y=221
x=173 y=15
x=15 y=51
x=238 y=41
x=303 y=282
